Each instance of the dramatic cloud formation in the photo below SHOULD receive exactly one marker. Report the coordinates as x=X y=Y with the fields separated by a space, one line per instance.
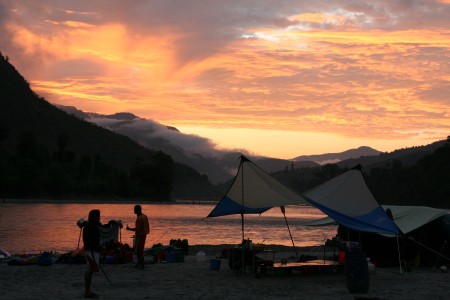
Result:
x=280 y=78
x=151 y=134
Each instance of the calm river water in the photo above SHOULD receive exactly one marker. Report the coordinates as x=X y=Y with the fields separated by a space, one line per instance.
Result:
x=35 y=227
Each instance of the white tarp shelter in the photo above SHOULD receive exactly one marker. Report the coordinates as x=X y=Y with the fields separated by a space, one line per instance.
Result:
x=346 y=198
x=407 y=218
x=348 y=201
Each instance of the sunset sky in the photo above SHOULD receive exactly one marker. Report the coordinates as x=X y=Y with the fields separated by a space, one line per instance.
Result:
x=278 y=78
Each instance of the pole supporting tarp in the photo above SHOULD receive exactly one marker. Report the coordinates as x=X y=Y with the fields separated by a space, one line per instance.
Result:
x=292 y=240
x=428 y=248
x=399 y=257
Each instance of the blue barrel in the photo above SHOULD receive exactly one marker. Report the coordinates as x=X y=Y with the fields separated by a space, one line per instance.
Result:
x=214 y=264
x=170 y=256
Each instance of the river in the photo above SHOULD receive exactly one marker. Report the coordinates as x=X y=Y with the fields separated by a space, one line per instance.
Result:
x=36 y=227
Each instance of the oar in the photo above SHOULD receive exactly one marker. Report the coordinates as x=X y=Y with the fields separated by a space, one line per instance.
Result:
x=81 y=222
x=100 y=267
x=79 y=238
x=103 y=271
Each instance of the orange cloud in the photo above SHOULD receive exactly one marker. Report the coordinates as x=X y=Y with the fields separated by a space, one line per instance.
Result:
x=356 y=71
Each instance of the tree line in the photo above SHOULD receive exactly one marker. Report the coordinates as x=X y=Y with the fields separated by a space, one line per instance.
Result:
x=35 y=171
x=426 y=183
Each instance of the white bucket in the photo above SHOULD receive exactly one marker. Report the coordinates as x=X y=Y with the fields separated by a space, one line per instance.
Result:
x=370 y=266
x=201 y=256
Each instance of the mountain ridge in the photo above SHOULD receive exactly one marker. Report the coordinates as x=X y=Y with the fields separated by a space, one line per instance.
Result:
x=48 y=153
x=338 y=156
x=47 y=141
x=218 y=165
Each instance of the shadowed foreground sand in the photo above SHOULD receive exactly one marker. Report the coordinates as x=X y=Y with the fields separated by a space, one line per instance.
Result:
x=192 y=279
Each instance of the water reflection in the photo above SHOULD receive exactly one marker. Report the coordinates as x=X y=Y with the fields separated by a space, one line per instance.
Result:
x=33 y=227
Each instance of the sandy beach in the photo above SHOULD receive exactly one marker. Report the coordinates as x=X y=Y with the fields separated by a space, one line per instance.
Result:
x=193 y=279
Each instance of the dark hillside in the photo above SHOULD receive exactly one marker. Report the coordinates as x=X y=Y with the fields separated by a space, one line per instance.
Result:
x=406 y=156
x=425 y=183
x=424 y=180
x=45 y=152
x=335 y=157
x=25 y=112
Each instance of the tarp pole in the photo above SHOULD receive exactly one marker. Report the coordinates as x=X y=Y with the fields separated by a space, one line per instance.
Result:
x=439 y=256
x=242 y=244
x=399 y=257
x=242 y=219
x=242 y=203
x=292 y=240
x=242 y=227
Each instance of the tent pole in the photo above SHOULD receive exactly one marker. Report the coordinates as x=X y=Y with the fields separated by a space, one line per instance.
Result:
x=242 y=219
x=242 y=244
x=242 y=226
x=399 y=257
x=292 y=240
x=435 y=252
x=439 y=256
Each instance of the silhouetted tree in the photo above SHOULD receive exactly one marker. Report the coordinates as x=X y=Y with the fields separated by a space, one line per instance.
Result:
x=63 y=140
x=27 y=145
x=3 y=132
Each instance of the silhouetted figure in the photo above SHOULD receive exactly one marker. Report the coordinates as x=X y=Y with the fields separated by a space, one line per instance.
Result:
x=92 y=248
x=142 y=228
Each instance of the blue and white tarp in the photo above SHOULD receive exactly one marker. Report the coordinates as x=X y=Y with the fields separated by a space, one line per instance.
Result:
x=345 y=198
x=253 y=192
x=348 y=200
x=407 y=218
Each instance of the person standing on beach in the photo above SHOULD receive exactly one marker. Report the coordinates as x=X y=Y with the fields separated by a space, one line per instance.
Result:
x=142 y=228
x=92 y=248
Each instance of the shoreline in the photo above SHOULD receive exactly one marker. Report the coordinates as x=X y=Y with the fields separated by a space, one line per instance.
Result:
x=107 y=201
x=215 y=249
x=195 y=279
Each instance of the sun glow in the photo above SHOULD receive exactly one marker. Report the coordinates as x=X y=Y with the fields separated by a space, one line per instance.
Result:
x=358 y=74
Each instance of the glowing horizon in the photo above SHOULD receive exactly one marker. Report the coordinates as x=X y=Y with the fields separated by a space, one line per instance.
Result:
x=279 y=80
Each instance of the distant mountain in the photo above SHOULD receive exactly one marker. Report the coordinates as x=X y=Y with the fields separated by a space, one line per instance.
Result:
x=194 y=151
x=405 y=157
x=219 y=165
x=332 y=158
x=410 y=176
x=43 y=148
x=274 y=164
x=370 y=158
